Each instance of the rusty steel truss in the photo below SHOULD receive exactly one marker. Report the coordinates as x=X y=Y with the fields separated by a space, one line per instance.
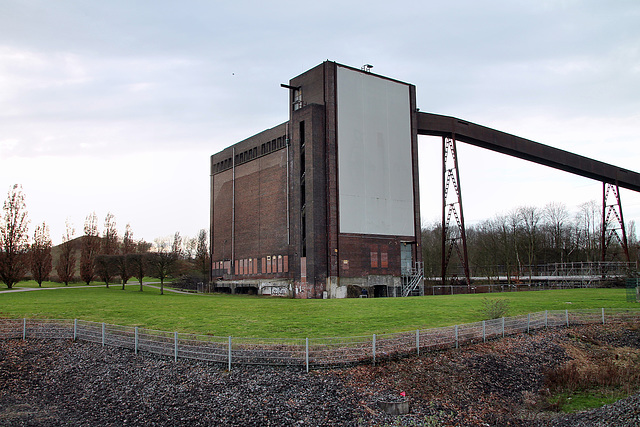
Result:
x=452 y=129
x=453 y=230
x=612 y=222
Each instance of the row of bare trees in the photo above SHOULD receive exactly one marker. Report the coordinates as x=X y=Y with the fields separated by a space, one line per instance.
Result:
x=529 y=236
x=17 y=256
x=105 y=256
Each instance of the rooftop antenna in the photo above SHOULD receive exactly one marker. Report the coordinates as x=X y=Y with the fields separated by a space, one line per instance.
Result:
x=366 y=68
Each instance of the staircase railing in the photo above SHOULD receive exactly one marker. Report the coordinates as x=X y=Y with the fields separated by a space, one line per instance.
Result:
x=412 y=281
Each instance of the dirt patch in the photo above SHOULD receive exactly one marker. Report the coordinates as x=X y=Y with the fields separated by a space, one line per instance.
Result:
x=506 y=382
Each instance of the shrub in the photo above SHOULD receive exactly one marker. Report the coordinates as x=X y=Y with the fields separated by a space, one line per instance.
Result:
x=494 y=308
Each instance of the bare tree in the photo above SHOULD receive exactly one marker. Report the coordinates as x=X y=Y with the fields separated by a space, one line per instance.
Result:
x=530 y=217
x=40 y=254
x=590 y=223
x=89 y=249
x=127 y=247
x=162 y=261
x=202 y=255
x=109 y=244
x=106 y=263
x=181 y=261
x=138 y=262
x=556 y=216
x=518 y=240
x=484 y=248
x=106 y=267
x=66 y=265
x=432 y=249
x=514 y=230
x=176 y=246
x=14 y=240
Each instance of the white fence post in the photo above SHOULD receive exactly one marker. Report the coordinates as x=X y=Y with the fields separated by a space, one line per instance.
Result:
x=75 y=329
x=603 y=315
x=528 y=322
x=374 y=349
x=567 y=315
x=103 y=334
x=24 y=328
x=229 y=353
x=484 y=330
x=306 y=357
x=136 y=339
x=418 y=341
x=503 y=327
x=457 y=343
x=175 y=346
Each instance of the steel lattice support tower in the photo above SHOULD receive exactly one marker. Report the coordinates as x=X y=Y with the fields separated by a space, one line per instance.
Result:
x=453 y=231
x=612 y=220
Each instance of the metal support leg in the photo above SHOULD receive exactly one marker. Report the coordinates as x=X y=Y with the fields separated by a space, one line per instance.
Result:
x=612 y=221
x=453 y=232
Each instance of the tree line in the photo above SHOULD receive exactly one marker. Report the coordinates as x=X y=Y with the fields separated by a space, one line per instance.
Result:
x=108 y=257
x=527 y=237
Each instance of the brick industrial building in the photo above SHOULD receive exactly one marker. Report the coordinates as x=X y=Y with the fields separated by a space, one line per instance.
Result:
x=326 y=204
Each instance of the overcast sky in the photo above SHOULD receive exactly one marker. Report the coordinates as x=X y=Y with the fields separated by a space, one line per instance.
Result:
x=116 y=106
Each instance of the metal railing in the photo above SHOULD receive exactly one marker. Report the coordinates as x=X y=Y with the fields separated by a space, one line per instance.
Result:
x=305 y=353
x=412 y=280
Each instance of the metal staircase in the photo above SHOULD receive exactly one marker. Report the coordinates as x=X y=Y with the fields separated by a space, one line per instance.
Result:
x=412 y=281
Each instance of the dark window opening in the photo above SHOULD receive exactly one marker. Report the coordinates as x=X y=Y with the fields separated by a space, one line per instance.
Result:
x=297 y=98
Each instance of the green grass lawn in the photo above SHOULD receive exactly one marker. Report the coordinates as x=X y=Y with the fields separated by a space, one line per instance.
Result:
x=585 y=400
x=247 y=316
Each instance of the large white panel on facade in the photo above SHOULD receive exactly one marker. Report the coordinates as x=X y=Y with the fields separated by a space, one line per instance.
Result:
x=375 y=174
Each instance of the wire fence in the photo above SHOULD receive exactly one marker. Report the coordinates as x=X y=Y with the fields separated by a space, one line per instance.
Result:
x=304 y=353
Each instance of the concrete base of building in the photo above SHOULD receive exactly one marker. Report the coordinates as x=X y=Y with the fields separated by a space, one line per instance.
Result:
x=335 y=289
x=272 y=287
x=371 y=286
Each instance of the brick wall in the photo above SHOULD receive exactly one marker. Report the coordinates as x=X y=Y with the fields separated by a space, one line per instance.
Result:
x=256 y=242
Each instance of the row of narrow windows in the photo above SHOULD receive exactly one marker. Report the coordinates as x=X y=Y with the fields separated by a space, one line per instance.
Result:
x=379 y=259
x=264 y=265
x=247 y=155
x=379 y=262
x=303 y=192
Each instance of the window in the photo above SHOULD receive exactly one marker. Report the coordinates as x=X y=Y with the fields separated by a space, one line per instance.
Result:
x=374 y=259
x=297 y=98
x=303 y=190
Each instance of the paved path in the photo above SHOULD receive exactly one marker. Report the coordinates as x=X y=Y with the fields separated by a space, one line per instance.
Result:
x=148 y=284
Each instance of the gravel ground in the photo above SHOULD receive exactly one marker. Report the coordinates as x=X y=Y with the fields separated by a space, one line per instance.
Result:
x=52 y=383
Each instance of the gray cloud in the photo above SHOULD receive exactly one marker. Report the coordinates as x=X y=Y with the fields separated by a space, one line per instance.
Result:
x=99 y=80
